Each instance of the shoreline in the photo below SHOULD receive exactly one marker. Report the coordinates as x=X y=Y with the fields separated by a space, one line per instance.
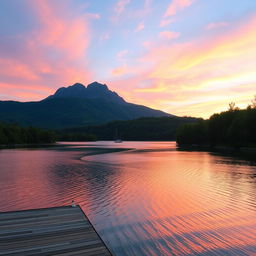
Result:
x=248 y=153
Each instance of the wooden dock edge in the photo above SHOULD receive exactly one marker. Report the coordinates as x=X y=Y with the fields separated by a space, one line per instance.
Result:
x=94 y=229
x=62 y=207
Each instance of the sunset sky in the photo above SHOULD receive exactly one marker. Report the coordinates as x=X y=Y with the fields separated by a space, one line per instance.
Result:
x=185 y=57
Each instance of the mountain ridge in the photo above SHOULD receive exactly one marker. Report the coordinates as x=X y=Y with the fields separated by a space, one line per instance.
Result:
x=75 y=106
x=93 y=90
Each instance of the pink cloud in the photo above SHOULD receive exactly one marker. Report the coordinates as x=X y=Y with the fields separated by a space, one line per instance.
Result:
x=166 y=22
x=169 y=34
x=119 y=71
x=15 y=69
x=147 y=44
x=120 y=6
x=121 y=12
x=141 y=13
x=93 y=15
x=104 y=37
x=121 y=54
x=216 y=25
x=123 y=70
x=50 y=56
x=140 y=26
x=118 y=9
x=23 y=92
x=198 y=77
x=177 y=5
x=60 y=29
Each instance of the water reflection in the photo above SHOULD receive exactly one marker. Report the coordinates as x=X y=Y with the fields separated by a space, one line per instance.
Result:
x=151 y=200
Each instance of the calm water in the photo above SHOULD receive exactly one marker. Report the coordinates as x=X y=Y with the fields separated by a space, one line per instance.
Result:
x=151 y=200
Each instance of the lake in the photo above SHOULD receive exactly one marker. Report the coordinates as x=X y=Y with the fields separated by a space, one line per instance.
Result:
x=146 y=198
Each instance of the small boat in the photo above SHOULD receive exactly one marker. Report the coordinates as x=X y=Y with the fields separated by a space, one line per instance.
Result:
x=117 y=137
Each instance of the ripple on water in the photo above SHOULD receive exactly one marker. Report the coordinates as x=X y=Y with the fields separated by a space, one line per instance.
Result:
x=150 y=201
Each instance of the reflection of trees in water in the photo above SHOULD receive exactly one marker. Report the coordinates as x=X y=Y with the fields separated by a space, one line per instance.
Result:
x=236 y=177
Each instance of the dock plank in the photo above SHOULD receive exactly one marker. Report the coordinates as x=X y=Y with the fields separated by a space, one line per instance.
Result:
x=62 y=231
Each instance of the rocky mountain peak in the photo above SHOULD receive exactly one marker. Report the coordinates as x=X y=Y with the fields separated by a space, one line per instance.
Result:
x=94 y=90
x=77 y=85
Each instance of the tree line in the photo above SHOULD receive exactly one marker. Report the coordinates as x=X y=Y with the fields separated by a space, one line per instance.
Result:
x=14 y=134
x=235 y=127
x=144 y=129
x=75 y=136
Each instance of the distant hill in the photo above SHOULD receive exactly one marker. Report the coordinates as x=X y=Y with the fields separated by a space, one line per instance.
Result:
x=75 y=106
x=148 y=128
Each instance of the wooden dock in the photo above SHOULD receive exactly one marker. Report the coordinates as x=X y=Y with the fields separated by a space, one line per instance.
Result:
x=59 y=231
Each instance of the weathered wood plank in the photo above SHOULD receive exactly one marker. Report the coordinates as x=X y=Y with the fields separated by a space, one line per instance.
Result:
x=59 y=231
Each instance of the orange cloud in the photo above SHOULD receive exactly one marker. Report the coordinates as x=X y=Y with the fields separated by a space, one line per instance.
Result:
x=199 y=77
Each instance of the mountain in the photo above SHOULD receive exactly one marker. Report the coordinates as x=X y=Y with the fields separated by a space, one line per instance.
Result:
x=94 y=90
x=74 y=106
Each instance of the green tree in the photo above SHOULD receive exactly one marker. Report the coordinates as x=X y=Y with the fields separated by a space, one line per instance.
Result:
x=233 y=127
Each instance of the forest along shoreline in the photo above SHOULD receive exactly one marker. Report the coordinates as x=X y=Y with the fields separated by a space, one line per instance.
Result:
x=232 y=130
